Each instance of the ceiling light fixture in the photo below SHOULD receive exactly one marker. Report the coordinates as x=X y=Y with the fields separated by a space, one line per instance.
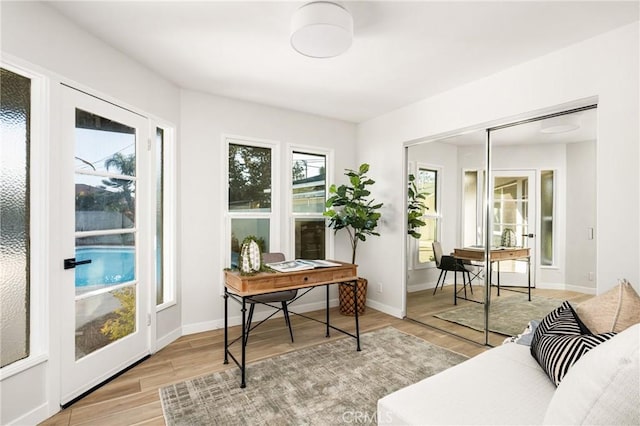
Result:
x=321 y=30
x=560 y=124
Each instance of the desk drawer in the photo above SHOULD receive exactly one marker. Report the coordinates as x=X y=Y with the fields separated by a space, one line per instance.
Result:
x=276 y=281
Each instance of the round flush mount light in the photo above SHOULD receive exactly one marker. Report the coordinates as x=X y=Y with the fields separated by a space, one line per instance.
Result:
x=321 y=30
x=560 y=124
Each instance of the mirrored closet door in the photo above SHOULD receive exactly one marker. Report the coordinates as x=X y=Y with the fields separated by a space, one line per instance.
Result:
x=538 y=201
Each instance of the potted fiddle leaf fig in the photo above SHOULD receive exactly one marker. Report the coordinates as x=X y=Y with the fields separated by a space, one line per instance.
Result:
x=350 y=208
x=415 y=208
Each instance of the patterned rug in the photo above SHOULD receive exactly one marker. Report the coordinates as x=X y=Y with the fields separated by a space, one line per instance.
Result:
x=326 y=384
x=509 y=315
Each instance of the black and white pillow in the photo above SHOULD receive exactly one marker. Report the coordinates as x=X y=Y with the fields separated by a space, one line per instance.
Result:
x=561 y=321
x=561 y=339
x=557 y=353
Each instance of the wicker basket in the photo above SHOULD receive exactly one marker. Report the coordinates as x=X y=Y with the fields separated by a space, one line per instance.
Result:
x=347 y=301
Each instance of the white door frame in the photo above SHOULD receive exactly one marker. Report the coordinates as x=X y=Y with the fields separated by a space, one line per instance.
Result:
x=82 y=375
x=519 y=278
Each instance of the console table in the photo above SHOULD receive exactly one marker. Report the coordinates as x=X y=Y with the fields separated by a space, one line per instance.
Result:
x=476 y=254
x=240 y=287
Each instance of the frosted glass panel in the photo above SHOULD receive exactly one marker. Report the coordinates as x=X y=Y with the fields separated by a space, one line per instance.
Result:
x=15 y=112
x=159 y=215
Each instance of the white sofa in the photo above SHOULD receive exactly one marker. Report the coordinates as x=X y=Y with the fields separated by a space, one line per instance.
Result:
x=506 y=386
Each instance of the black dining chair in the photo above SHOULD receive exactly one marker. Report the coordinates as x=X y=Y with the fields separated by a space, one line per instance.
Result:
x=282 y=297
x=448 y=263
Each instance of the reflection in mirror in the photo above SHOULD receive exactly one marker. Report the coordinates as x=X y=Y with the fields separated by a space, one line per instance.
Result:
x=446 y=169
x=542 y=201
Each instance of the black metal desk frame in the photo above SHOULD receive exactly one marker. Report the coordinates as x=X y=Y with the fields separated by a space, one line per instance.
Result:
x=242 y=300
x=497 y=261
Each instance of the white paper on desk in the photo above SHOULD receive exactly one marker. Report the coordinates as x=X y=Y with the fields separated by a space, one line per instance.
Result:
x=289 y=266
x=300 y=265
x=319 y=263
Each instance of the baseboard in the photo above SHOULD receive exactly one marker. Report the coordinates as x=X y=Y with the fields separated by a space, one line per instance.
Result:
x=419 y=287
x=33 y=417
x=580 y=289
x=168 y=338
x=568 y=287
x=389 y=310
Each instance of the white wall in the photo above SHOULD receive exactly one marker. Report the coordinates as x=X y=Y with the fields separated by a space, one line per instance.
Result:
x=581 y=184
x=40 y=39
x=605 y=67
x=205 y=119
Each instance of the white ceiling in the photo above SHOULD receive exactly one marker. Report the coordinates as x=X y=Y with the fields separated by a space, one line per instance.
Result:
x=529 y=133
x=402 y=51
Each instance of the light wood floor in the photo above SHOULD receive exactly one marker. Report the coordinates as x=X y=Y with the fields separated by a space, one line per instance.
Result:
x=133 y=399
x=423 y=305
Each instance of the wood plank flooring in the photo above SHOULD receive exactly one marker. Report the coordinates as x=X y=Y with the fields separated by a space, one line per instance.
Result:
x=133 y=399
x=423 y=305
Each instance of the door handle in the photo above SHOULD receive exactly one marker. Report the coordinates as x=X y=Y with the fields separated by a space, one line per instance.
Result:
x=71 y=263
x=529 y=235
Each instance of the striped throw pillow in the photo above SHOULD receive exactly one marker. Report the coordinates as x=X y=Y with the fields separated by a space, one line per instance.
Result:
x=561 y=339
x=557 y=353
x=562 y=320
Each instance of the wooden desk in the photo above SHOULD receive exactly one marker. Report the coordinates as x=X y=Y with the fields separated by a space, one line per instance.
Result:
x=476 y=254
x=241 y=287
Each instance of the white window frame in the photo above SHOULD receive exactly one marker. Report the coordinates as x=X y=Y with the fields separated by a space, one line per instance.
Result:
x=437 y=216
x=39 y=201
x=291 y=237
x=554 y=214
x=478 y=236
x=274 y=215
x=169 y=214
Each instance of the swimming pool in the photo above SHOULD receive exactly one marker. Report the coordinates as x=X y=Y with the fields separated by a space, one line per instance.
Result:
x=109 y=265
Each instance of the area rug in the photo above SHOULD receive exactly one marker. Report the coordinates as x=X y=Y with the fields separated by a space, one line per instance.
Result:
x=509 y=315
x=329 y=383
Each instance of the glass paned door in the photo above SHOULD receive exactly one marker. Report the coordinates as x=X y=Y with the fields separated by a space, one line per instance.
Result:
x=514 y=221
x=105 y=297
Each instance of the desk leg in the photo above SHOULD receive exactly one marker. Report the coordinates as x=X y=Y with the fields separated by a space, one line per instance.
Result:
x=327 y=313
x=455 y=288
x=355 y=303
x=226 y=326
x=243 y=383
x=529 y=276
x=498 y=263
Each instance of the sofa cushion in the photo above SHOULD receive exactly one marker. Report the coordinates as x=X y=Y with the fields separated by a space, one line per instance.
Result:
x=557 y=353
x=502 y=386
x=603 y=387
x=614 y=310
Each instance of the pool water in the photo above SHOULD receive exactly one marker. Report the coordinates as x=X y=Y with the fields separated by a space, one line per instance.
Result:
x=109 y=265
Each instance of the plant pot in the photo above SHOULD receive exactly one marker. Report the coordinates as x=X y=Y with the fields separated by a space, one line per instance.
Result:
x=347 y=301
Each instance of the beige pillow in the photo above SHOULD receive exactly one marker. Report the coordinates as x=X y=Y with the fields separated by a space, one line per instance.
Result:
x=615 y=310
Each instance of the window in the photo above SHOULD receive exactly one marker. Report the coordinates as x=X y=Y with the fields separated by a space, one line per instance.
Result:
x=427 y=183
x=15 y=255
x=251 y=194
x=308 y=197
x=546 y=216
x=510 y=210
x=165 y=256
